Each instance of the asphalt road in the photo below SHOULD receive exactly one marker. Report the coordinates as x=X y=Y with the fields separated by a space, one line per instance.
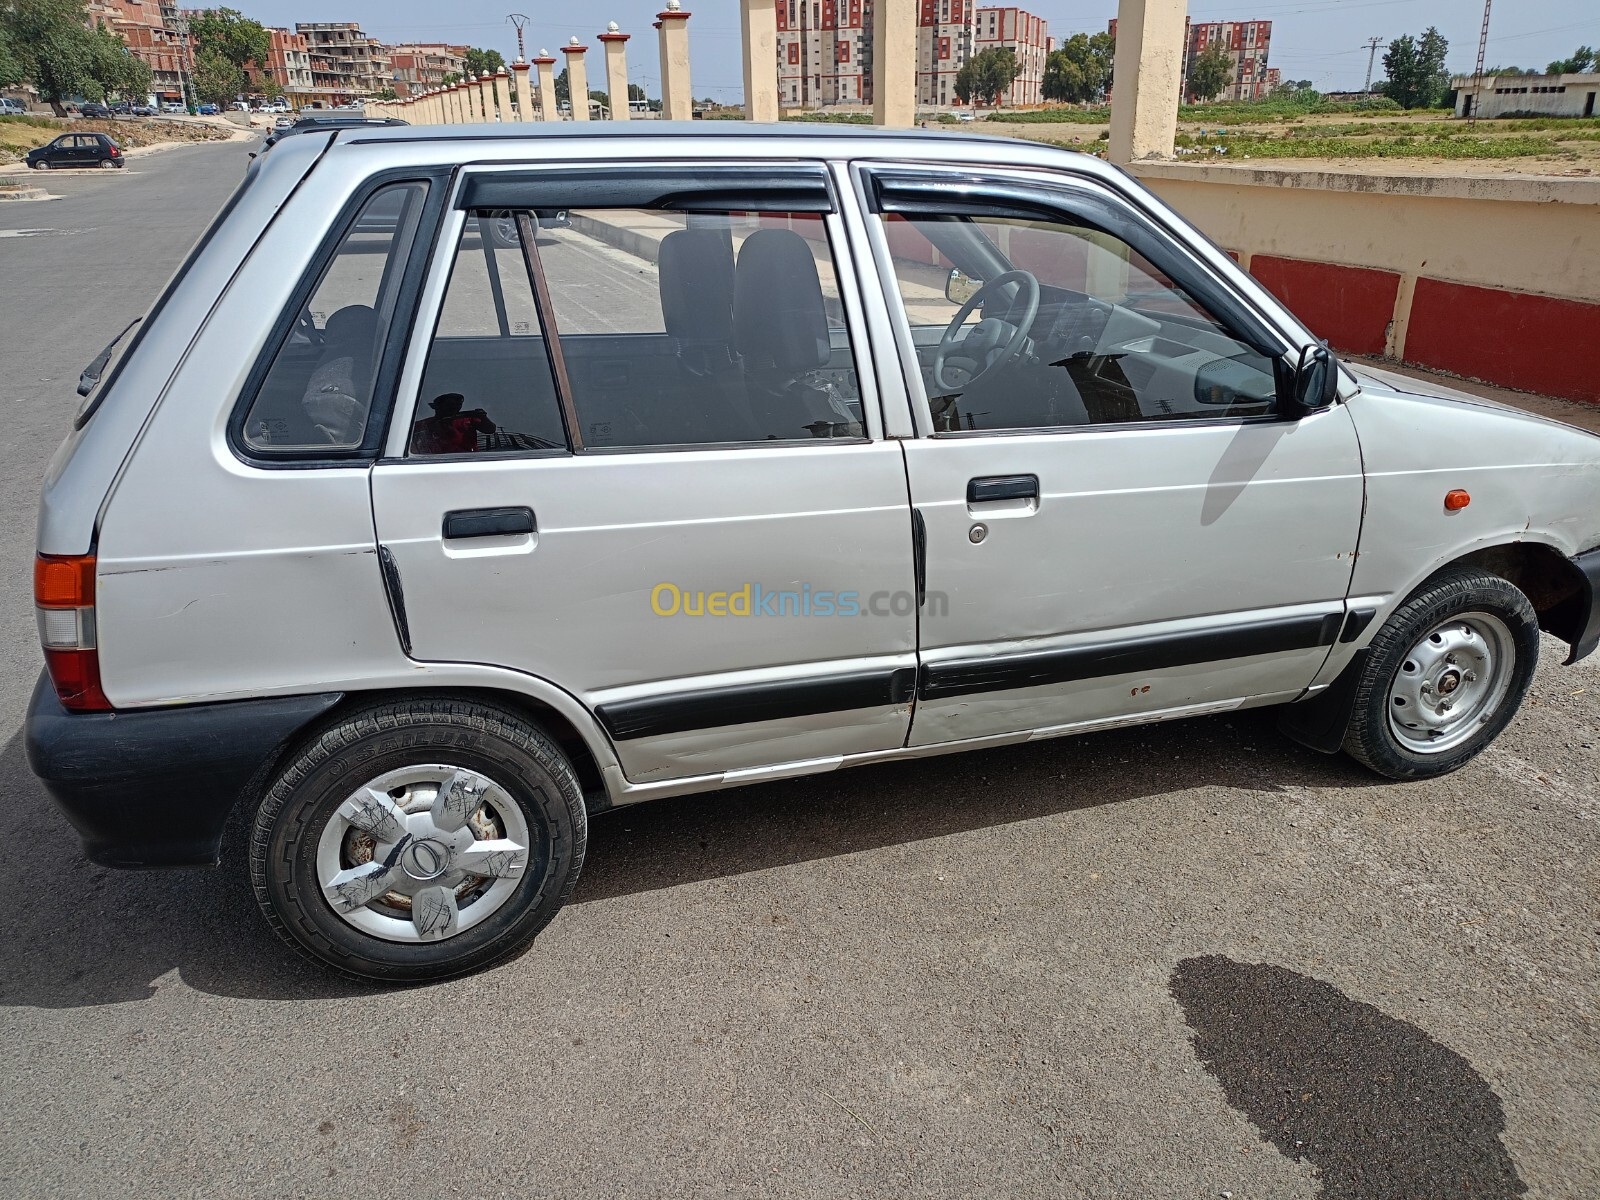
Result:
x=1184 y=961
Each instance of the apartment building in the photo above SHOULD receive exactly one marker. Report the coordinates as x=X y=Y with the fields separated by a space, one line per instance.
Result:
x=418 y=67
x=945 y=33
x=824 y=52
x=1246 y=42
x=288 y=65
x=345 y=63
x=1026 y=36
x=150 y=31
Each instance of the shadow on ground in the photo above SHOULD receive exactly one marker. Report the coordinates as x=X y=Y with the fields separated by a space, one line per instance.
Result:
x=1375 y=1104
x=76 y=934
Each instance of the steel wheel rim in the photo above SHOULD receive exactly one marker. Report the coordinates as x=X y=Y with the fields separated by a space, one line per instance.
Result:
x=423 y=853
x=1451 y=682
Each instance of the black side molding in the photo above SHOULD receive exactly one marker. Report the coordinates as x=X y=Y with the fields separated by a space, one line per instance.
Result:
x=488 y=522
x=1356 y=622
x=717 y=707
x=397 y=597
x=969 y=676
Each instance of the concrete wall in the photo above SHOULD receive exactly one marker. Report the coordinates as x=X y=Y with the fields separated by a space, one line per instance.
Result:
x=1490 y=277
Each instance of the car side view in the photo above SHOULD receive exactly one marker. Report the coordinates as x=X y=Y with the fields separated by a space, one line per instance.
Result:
x=466 y=484
x=77 y=150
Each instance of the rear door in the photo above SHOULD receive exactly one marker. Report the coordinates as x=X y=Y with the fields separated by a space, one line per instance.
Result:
x=644 y=461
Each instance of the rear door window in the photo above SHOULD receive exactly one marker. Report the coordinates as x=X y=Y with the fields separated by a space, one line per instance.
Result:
x=317 y=395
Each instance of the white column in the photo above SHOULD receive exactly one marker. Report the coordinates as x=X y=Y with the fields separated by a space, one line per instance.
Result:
x=577 y=79
x=616 y=51
x=1148 y=79
x=519 y=80
x=758 y=20
x=474 y=100
x=894 y=63
x=546 y=66
x=677 y=99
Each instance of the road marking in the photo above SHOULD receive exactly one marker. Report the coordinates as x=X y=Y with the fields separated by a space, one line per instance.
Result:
x=16 y=233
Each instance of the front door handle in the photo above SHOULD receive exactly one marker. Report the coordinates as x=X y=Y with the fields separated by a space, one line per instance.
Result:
x=488 y=522
x=1002 y=487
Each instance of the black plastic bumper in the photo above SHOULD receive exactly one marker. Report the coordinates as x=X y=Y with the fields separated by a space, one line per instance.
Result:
x=1589 y=617
x=153 y=787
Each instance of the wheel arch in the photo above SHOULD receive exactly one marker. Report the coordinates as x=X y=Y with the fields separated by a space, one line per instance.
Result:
x=1553 y=584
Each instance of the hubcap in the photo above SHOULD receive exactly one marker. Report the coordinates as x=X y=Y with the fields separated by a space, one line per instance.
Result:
x=423 y=853
x=1451 y=682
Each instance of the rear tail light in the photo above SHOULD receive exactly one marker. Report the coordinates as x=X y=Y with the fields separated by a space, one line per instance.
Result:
x=63 y=597
x=115 y=153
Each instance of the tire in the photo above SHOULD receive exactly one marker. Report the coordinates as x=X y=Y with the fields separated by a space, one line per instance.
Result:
x=503 y=232
x=41 y=165
x=1444 y=676
x=107 y=164
x=369 y=881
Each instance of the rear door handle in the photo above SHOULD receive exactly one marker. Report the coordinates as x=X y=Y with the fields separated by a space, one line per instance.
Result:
x=1002 y=487
x=488 y=522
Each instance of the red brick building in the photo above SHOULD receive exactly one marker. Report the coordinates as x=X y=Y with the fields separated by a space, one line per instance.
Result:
x=149 y=29
x=1246 y=43
x=418 y=67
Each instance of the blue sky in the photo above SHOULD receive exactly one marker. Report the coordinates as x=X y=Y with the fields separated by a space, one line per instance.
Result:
x=1320 y=40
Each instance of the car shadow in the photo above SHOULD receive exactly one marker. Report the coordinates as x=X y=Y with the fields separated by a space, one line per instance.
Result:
x=77 y=934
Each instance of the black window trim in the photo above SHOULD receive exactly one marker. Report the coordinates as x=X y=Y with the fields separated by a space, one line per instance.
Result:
x=732 y=186
x=398 y=337
x=922 y=191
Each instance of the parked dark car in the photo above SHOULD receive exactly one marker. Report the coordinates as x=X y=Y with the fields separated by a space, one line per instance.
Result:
x=144 y=110
x=77 y=150
x=122 y=108
x=208 y=110
x=98 y=111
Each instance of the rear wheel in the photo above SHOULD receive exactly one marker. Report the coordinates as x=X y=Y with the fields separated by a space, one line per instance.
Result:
x=1444 y=676
x=419 y=840
x=109 y=164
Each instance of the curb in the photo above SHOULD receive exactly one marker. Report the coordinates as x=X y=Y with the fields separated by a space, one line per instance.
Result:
x=29 y=193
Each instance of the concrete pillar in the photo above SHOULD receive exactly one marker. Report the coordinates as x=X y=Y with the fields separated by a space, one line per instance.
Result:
x=545 y=65
x=519 y=85
x=894 y=63
x=1148 y=79
x=758 y=20
x=486 y=98
x=616 y=50
x=577 y=79
x=677 y=100
x=457 y=104
x=474 y=100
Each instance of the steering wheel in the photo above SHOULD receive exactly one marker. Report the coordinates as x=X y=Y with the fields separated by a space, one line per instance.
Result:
x=991 y=342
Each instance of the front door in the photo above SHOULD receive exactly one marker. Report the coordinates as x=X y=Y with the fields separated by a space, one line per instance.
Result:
x=1120 y=524
x=643 y=460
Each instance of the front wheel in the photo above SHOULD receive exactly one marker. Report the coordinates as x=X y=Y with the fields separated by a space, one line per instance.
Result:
x=1444 y=676
x=41 y=165
x=420 y=840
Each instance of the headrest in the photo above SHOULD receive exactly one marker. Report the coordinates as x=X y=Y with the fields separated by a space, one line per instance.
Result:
x=778 y=316
x=352 y=328
x=696 y=273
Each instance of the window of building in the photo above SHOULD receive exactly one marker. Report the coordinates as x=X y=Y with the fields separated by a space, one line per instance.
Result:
x=1083 y=331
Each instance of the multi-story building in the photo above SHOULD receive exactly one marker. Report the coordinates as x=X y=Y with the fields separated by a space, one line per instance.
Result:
x=288 y=65
x=824 y=52
x=1026 y=36
x=1246 y=43
x=150 y=31
x=345 y=62
x=416 y=68
x=945 y=32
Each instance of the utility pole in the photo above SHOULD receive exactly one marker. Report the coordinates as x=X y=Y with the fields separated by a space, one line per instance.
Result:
x=1372 y=54
x=521 y=22
x=1477 y=75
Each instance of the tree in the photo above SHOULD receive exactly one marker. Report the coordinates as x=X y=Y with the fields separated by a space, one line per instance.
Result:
x=986 y=75
x=1581 y=62
x=1080 y=69
x=52 y=46
x=230 y=34
x=449 y=78
x=563 y=90
x=10 y=64
x=1414 y=70
x=216 y=78
x=484 y=62
x=1210 y=71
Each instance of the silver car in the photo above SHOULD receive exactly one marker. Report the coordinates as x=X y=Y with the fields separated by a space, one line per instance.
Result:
x=467 y=483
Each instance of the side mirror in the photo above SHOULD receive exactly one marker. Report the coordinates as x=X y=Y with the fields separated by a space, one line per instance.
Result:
x=1316 y=381
x=959 y=288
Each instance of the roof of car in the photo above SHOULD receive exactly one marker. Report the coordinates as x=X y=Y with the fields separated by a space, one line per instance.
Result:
x=698 y=129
